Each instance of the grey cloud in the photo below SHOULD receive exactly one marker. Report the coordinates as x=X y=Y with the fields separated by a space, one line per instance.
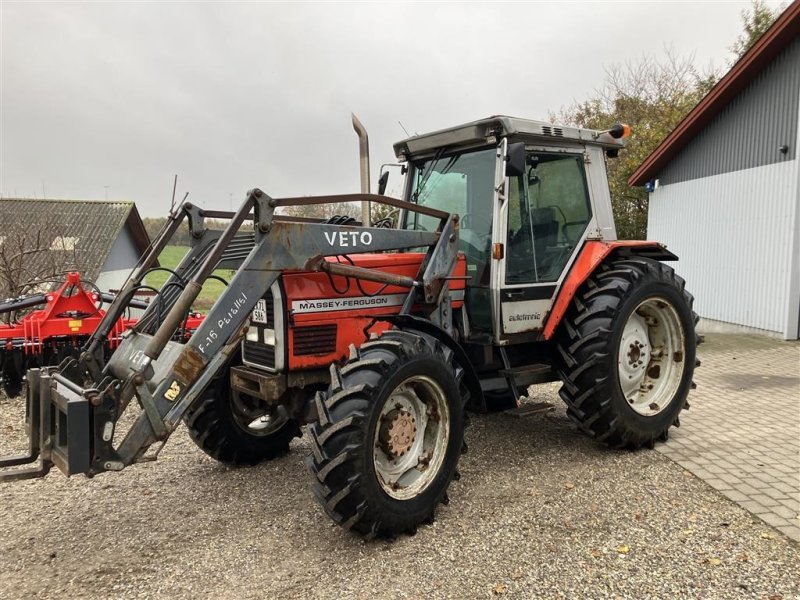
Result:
x=232 y=96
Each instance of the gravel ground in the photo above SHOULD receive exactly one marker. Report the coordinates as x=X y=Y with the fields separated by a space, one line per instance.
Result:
x=540 y=511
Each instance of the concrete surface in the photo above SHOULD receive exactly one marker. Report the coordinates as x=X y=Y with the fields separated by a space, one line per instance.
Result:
x=742 y=433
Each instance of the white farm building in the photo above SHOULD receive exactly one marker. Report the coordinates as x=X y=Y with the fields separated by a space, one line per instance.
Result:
x=726 y=189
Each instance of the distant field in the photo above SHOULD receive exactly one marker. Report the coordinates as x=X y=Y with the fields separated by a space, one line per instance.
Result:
x=170 y=258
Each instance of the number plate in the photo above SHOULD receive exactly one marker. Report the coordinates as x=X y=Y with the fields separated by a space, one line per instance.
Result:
x=260 y=312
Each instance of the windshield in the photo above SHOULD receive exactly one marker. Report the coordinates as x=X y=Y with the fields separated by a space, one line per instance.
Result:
x=461 y=184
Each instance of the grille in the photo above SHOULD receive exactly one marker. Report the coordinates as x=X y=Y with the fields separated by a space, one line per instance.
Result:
x=555 y=131
x=319 y=339
x=259 y=354
x=270 y=302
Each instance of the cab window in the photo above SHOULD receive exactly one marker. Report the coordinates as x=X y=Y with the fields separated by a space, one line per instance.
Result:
x=548 y=212
x=461 y=184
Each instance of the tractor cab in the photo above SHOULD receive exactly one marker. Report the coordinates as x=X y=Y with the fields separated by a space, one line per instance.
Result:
x=528 y=194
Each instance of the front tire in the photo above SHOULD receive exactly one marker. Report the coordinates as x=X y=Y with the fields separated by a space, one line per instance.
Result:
x=239 y=432
x=626 y=353
x=388 y=436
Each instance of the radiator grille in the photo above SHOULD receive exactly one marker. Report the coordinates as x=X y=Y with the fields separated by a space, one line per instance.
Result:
x=259 y=354
x=270 y=302
x=319 y=339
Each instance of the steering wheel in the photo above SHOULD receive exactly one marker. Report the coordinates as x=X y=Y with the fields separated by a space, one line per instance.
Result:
x=474 y=245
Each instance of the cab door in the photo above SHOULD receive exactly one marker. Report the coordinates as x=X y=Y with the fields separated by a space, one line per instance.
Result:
x=543 y=220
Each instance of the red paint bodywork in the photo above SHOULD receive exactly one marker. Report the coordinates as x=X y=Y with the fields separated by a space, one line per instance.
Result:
x=591 y=256
x=306 y=286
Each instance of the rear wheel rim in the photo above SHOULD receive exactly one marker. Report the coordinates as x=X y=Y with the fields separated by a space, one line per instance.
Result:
x=411 y=437
x=651 y=357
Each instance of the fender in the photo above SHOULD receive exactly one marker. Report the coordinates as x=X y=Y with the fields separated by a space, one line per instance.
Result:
x=592 y=254
x=473 y=384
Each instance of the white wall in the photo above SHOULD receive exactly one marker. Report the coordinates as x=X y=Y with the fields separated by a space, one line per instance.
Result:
x=112 y=280
x=735 y=235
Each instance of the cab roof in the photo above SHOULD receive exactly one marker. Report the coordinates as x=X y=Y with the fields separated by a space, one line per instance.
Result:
x=491 y=129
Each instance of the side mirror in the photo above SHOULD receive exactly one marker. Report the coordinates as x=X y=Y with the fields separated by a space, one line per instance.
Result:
x=515 y=159
x=382 y=181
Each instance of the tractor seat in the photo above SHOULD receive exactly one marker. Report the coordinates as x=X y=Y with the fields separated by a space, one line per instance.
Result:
x=545 y=230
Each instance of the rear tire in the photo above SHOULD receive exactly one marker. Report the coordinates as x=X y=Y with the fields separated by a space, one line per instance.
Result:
x=388 y=436
x=227 y=434
x=626 y=353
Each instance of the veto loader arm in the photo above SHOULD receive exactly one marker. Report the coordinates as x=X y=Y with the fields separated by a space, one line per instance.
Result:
x=73 y=410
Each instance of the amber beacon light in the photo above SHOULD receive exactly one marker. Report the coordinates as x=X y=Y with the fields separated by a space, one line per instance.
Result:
x=620 y=130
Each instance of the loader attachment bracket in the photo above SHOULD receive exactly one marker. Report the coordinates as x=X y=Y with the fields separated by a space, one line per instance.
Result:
x=58 y=424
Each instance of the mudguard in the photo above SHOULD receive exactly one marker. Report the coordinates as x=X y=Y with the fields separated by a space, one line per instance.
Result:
x=473 y=384
x=592 y=254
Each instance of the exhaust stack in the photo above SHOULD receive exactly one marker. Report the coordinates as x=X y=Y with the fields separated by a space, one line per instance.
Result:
x=363 y=154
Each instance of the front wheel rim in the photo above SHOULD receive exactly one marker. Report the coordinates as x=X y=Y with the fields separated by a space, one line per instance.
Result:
x=255 y=418
x=651 y=356
x=411 y=437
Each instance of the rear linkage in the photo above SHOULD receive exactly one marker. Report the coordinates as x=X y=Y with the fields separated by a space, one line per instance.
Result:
x=73 y=410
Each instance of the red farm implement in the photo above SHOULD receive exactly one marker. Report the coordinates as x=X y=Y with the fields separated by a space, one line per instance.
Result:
x=67 y=317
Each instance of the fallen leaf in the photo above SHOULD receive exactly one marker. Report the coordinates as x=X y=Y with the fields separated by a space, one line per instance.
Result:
x=597 y=553
x=500 y=588
x=776 y=597
x=568 y=524
x=714 y=561
x=692 y=518
x=768 y=535
x=569 y=485
x=623 y=549
x=517 y=576
x=743 y=557
x=687 y=531
x=638 y=516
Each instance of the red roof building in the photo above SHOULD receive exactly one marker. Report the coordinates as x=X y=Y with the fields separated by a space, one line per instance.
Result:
x=726 y=189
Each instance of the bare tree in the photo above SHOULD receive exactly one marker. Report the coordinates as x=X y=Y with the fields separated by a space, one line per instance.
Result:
x=652 y=95
x=31 y=258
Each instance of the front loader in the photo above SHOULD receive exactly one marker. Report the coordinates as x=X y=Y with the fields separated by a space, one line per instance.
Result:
x=502 y=270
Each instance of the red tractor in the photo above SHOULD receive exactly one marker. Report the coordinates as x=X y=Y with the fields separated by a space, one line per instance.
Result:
x=502 y=270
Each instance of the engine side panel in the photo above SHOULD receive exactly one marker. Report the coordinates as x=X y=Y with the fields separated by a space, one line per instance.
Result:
x=327 y=314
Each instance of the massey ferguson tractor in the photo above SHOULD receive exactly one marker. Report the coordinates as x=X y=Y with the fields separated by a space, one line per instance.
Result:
x=502 y=270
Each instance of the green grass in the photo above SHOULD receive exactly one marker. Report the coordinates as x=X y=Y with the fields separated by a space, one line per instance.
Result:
x=212 y=288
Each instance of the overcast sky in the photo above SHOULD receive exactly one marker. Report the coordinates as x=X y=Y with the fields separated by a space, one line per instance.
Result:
x=114 y=99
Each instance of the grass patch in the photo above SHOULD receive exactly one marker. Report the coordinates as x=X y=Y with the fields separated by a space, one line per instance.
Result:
x=170 y=257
